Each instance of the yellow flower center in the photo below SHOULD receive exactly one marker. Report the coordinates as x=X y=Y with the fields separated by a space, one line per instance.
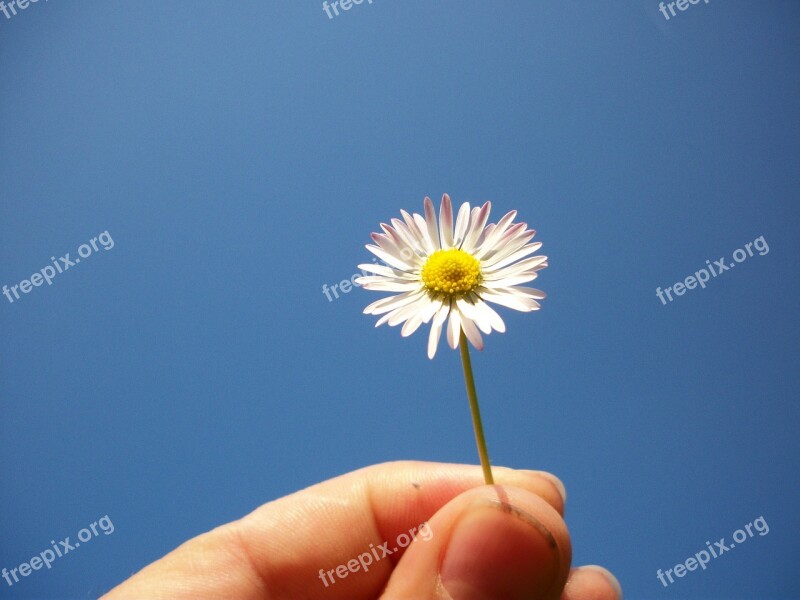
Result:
x=452 y=272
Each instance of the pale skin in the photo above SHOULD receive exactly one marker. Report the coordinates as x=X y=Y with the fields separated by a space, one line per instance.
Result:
x=482 y=542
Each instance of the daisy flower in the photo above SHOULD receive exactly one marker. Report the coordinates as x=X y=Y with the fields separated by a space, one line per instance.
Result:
x=446 y=274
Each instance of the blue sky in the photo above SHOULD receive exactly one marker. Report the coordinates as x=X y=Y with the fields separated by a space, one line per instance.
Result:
x=239 y=155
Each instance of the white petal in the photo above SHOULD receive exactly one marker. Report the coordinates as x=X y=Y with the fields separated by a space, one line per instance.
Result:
x=496 y=234
x=488 y=314
x=441 y=314
x=524 y=291
x=390 y=303
x=534 y=263
x=386 y=228
x=511 y=238
x=453 y=327
x=366 y=281
x=470 y=311
x=472 y=333
x=390 y=246
x=392 y=313
x=477 y=223
x=433 y=340
x=397 y=239
x=387 y=271
x=400 y=314
x=446 y=222
x=407 y=312
x=390 y=259
x=514 y=239
x=510 y=300
x=409 y=238
x=486 y=233
x=436 y=329
x=381 y=284
x=430 y=221
x=495 y=319
x=502 y=282
x=505 y=222
x=430 y=310
x=411 y=325
x=422 y=227
x=508 y=247
x=414 y=230
x=519 y=254
x=462 y=222
x=370 y=279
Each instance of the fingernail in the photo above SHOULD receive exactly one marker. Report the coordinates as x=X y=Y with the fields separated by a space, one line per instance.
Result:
x=555 y=481
x=499 y=551
x=609 y=576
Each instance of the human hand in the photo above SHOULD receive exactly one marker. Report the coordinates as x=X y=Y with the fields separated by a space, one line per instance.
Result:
x=402 y=530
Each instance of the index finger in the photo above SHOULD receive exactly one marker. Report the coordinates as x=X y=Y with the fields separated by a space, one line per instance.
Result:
x=280 y=549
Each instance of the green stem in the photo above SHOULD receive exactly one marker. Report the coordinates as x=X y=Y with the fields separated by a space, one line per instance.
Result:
x=476 y=412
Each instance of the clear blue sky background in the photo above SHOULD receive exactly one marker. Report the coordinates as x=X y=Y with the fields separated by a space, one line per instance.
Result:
x=239 y=154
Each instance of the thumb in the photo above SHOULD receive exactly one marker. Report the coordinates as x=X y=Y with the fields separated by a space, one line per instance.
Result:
x=489 y=542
